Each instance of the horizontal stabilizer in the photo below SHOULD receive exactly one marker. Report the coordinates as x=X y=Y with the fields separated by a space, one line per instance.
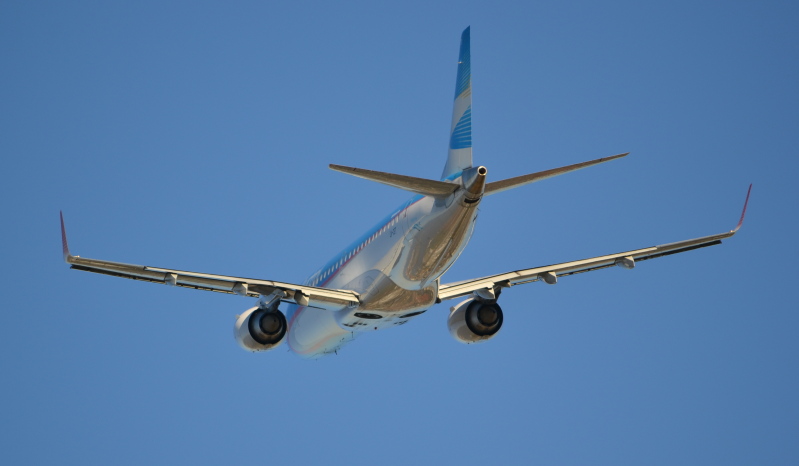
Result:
x=408 y=183
x=503 y=185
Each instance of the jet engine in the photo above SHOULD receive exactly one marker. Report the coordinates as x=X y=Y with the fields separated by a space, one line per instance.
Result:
x=474 y=321
x=260 y=329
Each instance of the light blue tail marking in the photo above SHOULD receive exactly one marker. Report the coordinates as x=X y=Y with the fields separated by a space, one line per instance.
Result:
x=462 y=134
x=460 y=138
x=464 y=79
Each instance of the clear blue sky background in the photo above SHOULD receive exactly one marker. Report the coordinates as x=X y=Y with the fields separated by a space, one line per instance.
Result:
x=197 y=135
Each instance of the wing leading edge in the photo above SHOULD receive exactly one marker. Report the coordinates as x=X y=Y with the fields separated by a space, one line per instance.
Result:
x=322 y=298
x=550 y=273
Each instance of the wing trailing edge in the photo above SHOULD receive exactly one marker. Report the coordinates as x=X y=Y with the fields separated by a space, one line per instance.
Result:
x=550 y=273
x=320 y=298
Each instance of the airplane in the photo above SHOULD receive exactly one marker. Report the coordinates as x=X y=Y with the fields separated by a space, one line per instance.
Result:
x=392 y=273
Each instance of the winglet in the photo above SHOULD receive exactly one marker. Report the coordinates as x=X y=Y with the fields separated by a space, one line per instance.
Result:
x=64 y=244
x=743 y=213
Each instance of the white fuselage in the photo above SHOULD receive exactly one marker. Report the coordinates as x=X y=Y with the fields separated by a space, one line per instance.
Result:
x=394 y=267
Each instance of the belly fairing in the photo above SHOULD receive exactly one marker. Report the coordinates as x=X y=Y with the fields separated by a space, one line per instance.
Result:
x=315 y=332
x=379 y=292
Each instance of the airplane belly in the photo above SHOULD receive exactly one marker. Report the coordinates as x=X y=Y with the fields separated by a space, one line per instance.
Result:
x=386 y=296
x=395 y=274
x=315 y=332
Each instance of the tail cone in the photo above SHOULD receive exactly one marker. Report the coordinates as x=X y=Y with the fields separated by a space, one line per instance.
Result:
x=474 y=183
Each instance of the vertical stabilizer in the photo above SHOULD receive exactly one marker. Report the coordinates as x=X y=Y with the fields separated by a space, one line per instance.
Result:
x=460 y=139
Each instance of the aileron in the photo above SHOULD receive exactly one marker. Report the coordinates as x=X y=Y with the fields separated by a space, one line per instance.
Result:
x=322 y=298
x=550 y=273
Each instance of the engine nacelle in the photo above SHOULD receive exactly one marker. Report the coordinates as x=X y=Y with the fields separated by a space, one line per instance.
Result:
x=260 y=329
x=474 y=321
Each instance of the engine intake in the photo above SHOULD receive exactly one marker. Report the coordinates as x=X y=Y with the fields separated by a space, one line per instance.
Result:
x=474 y=321
x=260 y=329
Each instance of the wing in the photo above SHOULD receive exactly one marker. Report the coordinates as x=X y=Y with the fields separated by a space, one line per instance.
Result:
x=300 y=294
x=489 y=286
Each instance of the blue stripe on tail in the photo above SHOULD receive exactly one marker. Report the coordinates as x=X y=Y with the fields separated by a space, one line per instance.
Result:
x=462 y=134
x=459 y=157
x=464 y=78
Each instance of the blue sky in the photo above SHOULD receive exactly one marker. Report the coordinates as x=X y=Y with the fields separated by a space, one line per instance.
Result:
x=196 y=135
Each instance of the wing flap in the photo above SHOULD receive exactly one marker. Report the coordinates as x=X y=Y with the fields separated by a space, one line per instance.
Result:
x=323 y=298
x=520 y=277
x=625 y=259
x=317 y=297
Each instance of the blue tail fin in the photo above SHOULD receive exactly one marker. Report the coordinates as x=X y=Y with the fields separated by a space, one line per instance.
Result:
x=460 y=140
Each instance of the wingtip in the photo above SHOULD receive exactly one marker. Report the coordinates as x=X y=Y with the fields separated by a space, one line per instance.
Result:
x=340 y=168
x=613 y=157
x=743 y=213
x=64 y=244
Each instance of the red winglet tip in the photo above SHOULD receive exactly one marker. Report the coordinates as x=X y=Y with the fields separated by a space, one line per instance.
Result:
x=743 y=213
x=64 y=244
